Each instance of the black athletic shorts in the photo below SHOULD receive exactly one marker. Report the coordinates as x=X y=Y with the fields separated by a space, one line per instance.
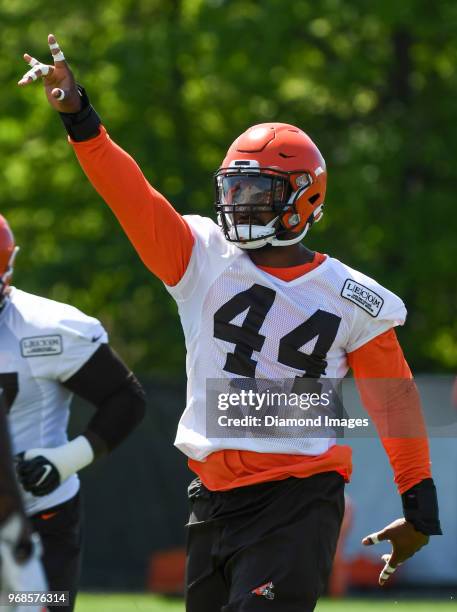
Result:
x=60 y=529
x=265 y=547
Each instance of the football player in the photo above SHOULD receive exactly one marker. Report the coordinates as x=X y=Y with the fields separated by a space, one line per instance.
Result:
x=255 y=303
x=50 y=351
x=20 y=567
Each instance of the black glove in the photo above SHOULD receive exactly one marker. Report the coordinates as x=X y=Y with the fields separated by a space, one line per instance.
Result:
x=38 y=475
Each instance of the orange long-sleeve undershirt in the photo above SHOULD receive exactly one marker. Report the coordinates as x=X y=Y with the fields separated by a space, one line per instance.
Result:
x=159 y=234
x=390 y=397
x=164 y=242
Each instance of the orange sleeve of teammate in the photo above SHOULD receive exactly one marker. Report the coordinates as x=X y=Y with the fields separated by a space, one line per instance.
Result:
x=160 y=235
x=390 y=397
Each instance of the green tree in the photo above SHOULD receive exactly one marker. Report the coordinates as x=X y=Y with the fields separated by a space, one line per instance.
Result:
x=175 y=82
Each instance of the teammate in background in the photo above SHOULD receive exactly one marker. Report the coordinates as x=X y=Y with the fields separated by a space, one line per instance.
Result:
x=49 y=351
x=20 y=567
x=254 y=302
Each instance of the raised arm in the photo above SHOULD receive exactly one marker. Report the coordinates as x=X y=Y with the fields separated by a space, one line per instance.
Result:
x=160 y=235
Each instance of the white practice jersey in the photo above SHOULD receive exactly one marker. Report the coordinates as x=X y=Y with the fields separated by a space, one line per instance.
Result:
x=240 y=321
x=42 y=344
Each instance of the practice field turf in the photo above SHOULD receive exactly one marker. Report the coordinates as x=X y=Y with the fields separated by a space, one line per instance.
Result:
x=147 y=603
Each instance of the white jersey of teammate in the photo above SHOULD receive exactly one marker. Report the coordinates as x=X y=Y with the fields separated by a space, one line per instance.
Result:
x=228 y=305
x=42 y=344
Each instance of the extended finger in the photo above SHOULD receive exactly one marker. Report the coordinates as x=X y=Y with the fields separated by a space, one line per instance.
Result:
x=386 y=573
x=373 y=538
x=34 y=73
x=57 y=53
x=391 y=565
x=31 y=61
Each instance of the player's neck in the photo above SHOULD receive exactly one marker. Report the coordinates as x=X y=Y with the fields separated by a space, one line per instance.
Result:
x=281 y=257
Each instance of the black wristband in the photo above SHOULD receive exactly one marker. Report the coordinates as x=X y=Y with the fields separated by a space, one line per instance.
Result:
x=84 y=124
x=420 y=507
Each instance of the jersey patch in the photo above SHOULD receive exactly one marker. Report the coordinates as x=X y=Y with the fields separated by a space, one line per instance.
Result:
x=363 y=297
x=37 y=346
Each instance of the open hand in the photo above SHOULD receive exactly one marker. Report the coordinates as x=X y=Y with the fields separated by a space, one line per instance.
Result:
x=58 y=80
x=405 y=540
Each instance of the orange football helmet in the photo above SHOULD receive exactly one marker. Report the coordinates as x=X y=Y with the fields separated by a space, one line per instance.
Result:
x=272 y=167
x=8 y=251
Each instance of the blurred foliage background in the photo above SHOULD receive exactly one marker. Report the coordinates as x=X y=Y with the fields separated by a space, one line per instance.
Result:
x=175 y=81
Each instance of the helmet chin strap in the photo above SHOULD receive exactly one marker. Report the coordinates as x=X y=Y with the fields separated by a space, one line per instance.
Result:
x=263 y=240
x=263 y=233
x=259 y=231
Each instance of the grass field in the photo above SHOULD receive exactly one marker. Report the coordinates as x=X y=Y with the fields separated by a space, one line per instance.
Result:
x=148 y=603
